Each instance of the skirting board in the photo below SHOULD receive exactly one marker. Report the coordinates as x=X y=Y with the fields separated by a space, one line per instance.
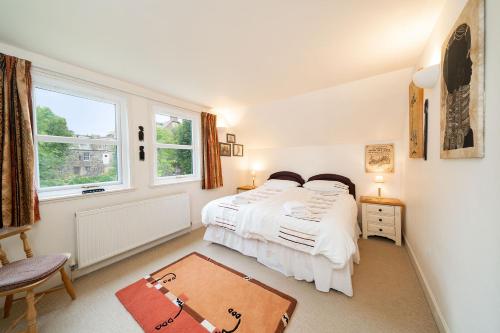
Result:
x=429 y=295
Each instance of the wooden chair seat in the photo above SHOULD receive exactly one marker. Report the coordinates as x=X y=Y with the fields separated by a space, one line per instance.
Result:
x=27 y=274
x=24 y=272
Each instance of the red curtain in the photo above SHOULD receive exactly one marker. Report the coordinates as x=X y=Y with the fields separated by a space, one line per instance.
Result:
x=212 y=169
x=19 y=204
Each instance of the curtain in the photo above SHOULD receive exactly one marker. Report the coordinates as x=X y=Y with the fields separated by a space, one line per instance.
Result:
x=212 y=169
x=19 y=202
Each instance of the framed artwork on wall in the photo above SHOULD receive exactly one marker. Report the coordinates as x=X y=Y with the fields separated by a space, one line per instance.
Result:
x=379 y=158
x=230 y=138
x=225 y=149
x=237 y=150
x=462 y=85
x=416 y=130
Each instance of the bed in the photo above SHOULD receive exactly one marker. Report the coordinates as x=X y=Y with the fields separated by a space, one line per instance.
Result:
x=319 y=246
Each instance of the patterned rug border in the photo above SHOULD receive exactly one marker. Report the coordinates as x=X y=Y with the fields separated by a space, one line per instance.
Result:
x=293 y=301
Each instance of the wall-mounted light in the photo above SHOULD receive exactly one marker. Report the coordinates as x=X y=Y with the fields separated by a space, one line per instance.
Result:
x=427 y=77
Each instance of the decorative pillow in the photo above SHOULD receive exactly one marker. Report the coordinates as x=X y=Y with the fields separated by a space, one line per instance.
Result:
x=326 y=186
x=280 y=184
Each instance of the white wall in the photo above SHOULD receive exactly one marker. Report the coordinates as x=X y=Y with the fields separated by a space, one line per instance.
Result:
x=452 y=223
x=326 y=131
x=55 y=233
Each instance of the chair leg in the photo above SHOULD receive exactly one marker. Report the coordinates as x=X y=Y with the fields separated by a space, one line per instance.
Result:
x=67 y=283
x=31 y=312
x=7 y=306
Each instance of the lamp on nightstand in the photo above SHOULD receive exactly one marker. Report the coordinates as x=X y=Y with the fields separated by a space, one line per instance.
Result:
x=253 y=173
x=379 y=179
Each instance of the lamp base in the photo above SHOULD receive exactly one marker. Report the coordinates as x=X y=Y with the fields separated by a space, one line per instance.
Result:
x=380 y=192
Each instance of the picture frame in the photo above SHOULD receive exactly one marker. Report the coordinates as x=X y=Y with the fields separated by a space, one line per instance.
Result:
x=416 y=122
x=225 y=149
x=237 y=150
x=379 y=158
x=462 y=85
x=230 y=138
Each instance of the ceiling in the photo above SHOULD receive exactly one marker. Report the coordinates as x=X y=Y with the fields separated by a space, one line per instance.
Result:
x=225 y=53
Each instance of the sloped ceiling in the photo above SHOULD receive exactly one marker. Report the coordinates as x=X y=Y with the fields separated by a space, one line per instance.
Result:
x=225 y=53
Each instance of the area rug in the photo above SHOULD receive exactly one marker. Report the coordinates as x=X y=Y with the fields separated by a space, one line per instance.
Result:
x=197 y=294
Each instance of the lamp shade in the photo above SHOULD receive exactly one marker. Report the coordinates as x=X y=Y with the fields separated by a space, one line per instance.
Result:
x=427 y=77
x=379 y=179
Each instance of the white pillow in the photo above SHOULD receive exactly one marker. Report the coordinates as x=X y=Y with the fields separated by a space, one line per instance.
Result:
x=280 y=184
x=326 y=186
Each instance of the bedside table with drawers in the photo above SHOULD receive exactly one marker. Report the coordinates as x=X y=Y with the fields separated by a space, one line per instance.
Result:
x=382 y=217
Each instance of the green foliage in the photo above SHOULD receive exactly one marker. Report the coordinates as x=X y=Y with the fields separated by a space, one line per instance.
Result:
x=178 y=134
x=48 y=123
x=172 y=162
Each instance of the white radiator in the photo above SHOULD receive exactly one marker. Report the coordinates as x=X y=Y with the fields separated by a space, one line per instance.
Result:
x=109 y=231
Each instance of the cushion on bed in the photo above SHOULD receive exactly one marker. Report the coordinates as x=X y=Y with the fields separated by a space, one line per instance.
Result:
x=26 y=271
x=280 y=184
x=326 y=186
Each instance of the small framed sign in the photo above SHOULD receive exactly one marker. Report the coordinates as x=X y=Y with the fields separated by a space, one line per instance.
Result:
x=225 y=149
x=237 y=150
x=230 y=138
x=379 y=158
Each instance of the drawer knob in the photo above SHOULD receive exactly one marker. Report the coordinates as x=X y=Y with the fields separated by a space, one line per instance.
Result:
x=380 y=229
x=380 y=220
x=380 y=209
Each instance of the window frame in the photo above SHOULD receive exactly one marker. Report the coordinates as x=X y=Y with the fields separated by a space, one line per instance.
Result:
x=169 y=110
x=74 y=87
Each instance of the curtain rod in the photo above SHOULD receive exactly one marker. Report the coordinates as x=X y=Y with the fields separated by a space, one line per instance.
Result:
x=100 y=85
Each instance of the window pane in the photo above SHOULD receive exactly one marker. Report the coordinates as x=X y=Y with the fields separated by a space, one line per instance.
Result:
x=76 y=164
x=173 y=130
x=61 y=114
x=174 y=162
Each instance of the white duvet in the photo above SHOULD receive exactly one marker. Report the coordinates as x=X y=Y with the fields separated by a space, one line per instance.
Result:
x=329 y=229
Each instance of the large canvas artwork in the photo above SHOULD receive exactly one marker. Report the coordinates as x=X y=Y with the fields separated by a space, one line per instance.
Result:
x=379 y=158
x=462 y=85
x=416 y=132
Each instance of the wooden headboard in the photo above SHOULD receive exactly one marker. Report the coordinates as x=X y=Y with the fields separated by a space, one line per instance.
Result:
x=338 y=178
x=288 y=175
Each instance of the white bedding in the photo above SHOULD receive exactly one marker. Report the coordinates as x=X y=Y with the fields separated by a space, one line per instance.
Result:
x=330 y=229
x=289 y=262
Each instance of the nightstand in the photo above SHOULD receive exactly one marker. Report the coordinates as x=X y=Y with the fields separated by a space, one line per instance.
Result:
x=382 y=217
x=244 y=188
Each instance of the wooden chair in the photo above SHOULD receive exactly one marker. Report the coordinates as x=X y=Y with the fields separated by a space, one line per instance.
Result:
x=27 y=274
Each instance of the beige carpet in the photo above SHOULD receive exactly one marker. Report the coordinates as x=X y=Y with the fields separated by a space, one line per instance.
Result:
x=387 y=295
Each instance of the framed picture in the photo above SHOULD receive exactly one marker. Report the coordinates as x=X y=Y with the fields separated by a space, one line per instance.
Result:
x=237 y=150
x=416 y=130
x=225 y=149
x=230 y=138
x=462 y=85
x=379 y=158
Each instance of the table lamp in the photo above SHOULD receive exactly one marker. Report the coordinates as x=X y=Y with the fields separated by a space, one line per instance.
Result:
x=379 y=179
x=253 y=173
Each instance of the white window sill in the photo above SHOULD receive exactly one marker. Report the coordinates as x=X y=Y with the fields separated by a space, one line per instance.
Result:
x=173 y=181
x=55 y=196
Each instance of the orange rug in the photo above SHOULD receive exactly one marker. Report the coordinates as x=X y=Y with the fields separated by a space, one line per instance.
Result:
x=198 y=295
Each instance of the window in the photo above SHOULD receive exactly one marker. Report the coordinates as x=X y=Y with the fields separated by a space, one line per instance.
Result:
x=78 y=137
x=176 y=135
